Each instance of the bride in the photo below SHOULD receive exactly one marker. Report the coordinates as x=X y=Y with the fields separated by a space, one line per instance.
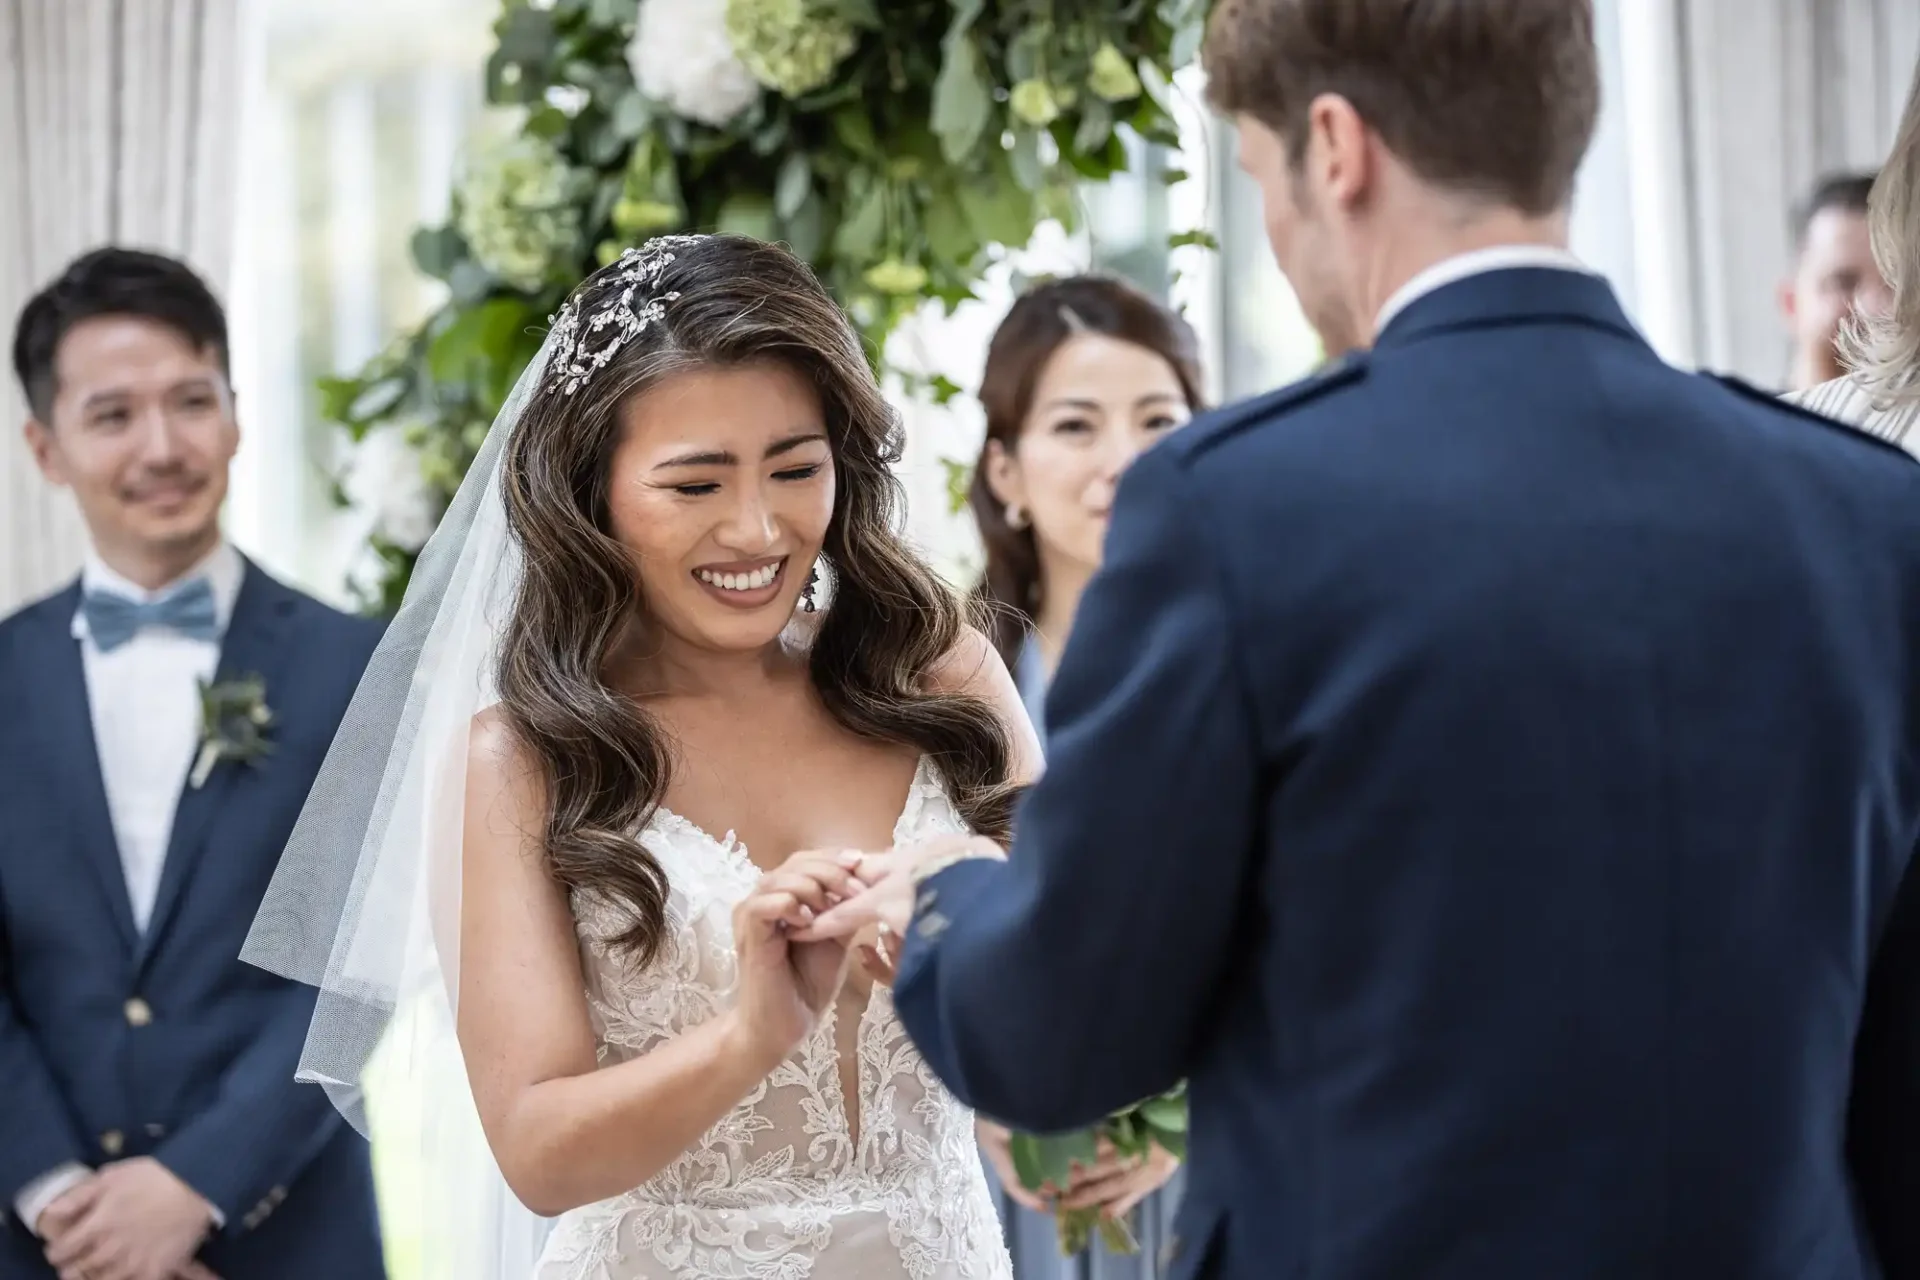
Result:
x=667 y=634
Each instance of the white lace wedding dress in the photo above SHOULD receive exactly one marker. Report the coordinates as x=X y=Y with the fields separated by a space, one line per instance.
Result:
x=785 y=1187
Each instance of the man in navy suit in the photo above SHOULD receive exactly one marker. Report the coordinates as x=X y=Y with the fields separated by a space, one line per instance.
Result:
x=150 y=1124
x=1489 y=770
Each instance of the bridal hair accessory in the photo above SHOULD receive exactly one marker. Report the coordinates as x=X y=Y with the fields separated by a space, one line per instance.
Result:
x=583 y=346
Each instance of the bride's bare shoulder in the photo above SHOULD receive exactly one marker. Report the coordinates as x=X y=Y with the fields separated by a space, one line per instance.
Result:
x=497 y=760
x=973 y=668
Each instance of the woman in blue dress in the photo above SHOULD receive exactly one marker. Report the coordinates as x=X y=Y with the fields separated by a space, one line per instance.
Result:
x=1082 y=375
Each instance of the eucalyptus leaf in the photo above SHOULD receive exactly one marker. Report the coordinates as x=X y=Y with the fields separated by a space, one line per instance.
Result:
x=1028 y=169
x=376 y=401
x=605 y=145
x=747 y=214
x=478 y=337
x=1096 y=125
x=1001 y=211
x=793 y=186
x=1027 y=1161
x=631 y=115
x=950 y=234
x=861 y=13
x=860 y=235
x=805 y=230
x=527 y=39
x=613 y=13
x=1168 y=1114
x=1187 y=39
x=436 y=250
x=855 y=131
x=962 y=99
x=965 y=14
x=469 y=282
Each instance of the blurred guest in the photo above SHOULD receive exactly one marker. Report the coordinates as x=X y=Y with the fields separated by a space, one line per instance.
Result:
x=1834 y=277
x=1082 y=375
x=1882 y=394
x=161 y=721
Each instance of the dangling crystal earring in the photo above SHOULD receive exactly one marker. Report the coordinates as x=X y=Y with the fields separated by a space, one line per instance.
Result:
x=1016 y=517
x=806 y=592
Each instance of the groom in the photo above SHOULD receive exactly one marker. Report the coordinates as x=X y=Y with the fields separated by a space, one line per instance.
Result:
x=150 y=1124
x=1487 y=771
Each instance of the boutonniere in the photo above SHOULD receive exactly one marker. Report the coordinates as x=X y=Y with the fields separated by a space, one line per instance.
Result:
x=234 y=719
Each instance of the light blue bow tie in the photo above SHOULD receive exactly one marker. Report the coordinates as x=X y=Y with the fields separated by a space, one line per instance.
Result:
x=188 y=610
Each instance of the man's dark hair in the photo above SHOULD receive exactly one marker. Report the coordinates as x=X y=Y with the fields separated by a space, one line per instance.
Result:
x=1497 y=98
x=1847 y=192
x=112 y=282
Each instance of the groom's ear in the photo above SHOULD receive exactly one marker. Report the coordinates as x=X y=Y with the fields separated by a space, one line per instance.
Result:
x=1789 y=296
x=46 y=455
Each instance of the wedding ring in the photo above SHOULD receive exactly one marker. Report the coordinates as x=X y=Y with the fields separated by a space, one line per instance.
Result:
x=886 y=952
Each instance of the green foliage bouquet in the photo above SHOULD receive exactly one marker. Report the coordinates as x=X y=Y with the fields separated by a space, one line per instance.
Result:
x=1048 y=1161
x=891 y=143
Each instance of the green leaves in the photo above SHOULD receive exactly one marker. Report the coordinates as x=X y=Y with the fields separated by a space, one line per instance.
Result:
x=1046 y=1163
x=894 y=178
x=480 y=348
x=962 y=99
x=795 y=183
x=437 y=250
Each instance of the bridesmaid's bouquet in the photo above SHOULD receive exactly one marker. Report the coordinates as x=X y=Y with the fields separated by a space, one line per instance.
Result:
x=1134 y=1132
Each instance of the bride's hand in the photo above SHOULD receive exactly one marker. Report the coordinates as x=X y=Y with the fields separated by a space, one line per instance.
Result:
x=786 y=984
x=894 y=880
x=996 y=1143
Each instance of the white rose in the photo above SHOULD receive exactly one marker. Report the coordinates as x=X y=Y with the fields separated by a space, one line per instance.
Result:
x=681 y=57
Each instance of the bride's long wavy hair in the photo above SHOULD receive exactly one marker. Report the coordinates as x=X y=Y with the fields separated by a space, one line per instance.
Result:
x=889 y=619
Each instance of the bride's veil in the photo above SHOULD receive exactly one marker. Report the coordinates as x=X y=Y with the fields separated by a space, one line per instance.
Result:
x=365 y=904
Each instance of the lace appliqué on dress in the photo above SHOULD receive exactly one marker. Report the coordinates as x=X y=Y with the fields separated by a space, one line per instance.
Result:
x=777 y=1190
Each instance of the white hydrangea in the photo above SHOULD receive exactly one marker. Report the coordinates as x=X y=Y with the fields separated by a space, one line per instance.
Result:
x=519 y=210
x=681 y=56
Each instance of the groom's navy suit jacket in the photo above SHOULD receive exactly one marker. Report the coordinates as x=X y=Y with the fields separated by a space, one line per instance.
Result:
x=1489 y=771
x=116 y=1044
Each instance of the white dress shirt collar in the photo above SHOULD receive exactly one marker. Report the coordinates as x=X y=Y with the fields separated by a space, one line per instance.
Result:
x=1502 y=257
x=222 y=568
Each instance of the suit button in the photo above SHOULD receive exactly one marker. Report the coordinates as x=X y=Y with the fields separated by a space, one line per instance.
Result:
x=156 y=1131
x=113 y=1142
x=139 y=1012
x=276 y=1196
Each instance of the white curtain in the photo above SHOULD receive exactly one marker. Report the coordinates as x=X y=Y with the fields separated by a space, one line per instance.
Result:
x=1735 y=109
x=118 y=125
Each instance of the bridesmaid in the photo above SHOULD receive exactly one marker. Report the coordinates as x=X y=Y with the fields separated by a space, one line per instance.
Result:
x=1082 y=375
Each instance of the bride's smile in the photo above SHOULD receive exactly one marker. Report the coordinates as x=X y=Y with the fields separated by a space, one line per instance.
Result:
x=721 y=489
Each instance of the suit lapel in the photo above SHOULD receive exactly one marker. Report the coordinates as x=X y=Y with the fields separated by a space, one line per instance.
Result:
x=256 y=644
x=54 y=684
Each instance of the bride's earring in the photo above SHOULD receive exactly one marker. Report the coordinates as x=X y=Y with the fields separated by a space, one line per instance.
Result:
x=806 y=592
x=1016 y=517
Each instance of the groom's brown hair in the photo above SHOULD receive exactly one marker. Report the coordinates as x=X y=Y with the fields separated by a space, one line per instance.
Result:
x=1496 y=98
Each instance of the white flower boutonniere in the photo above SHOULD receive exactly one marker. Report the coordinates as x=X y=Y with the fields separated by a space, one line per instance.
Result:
x=234 y=719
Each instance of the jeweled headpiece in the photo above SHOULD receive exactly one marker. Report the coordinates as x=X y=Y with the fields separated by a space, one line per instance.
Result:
x=584 y=344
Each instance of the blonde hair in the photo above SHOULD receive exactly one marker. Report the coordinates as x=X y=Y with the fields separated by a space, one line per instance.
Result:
x=1885 y=350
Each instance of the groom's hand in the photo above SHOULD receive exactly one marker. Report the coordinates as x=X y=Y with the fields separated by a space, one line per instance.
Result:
x=135 y=1221
x=895 y=878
